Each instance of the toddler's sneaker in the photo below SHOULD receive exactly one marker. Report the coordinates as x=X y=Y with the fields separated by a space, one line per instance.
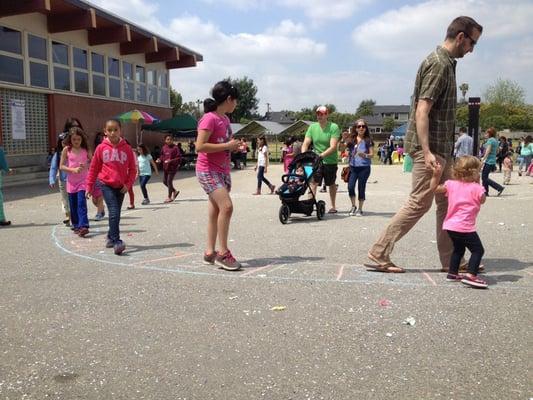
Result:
x=119 y=247
x=99 y=216
x=352 y=211
x=454 y=277
x=82 y=232
x=210 y=258
x=474 y=281
x=145 y=202
x=227 y=261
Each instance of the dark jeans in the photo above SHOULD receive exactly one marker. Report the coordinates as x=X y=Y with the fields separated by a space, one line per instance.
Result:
x=388 y=157
x=486 y=181
x=113 y=199
x=261 y=178
x=78 y=209
x=462 y=241
x=143 y=180
x=168 y=177
x=360 y=176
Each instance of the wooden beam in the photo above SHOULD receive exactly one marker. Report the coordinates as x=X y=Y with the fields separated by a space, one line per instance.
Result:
x=83 y=19
x=8 y=8
x=171 y=54
x=114 y=34
x=145 y=45
x=185 y=61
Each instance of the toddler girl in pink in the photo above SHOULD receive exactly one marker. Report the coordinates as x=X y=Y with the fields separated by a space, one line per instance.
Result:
x=465 y=196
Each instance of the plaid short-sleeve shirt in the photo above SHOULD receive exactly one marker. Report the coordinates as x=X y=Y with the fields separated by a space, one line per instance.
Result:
x=435 y=81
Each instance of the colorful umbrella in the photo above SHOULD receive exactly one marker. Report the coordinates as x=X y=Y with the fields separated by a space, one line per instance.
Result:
x=136 y=116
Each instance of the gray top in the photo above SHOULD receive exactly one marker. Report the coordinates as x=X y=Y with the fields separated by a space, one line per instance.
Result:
x=464 y=146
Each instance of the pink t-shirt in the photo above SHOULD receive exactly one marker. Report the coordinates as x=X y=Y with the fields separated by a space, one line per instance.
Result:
x=464 y=202
x=76 y=182
x=220 y=129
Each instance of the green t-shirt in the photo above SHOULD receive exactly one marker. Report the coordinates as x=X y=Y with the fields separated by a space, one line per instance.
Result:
x=491 y=158
x=321 y=139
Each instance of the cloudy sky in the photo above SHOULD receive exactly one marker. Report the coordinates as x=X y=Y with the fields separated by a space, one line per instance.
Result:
x=305 y=52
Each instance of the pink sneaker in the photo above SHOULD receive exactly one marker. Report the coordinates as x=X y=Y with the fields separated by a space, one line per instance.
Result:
x=474 y=281
x=227 y=261
x=210 y=258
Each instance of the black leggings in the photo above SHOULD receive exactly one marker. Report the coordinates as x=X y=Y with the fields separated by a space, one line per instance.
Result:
x=462 y=241
x=168 y=177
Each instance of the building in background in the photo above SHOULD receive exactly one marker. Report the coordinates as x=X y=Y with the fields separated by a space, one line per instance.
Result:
x=62 y=58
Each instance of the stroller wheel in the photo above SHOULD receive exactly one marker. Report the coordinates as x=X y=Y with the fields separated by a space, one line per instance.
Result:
x=320 y=209
x=284 y=213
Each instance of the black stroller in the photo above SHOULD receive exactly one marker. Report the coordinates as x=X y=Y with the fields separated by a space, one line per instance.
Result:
x=296 y=185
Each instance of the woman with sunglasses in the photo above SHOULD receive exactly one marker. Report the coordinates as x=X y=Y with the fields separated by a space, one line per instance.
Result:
x=360 y=150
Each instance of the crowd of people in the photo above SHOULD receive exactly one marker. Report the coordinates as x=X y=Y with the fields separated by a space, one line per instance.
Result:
x=444 y=169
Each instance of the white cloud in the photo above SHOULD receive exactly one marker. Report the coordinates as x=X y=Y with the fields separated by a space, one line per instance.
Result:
x=287 y=28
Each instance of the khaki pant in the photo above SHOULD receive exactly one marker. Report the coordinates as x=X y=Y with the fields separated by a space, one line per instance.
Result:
x=418 y=203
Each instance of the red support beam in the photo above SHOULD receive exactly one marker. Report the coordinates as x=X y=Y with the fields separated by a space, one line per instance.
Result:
x=185 y=61
x=171 y=54
x=145 y=45
x=83 y=19
x=12 y=7
x=114 y=34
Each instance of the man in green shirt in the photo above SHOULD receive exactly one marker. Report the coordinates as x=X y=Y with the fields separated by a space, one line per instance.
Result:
x=324 y=136
x=429 y=141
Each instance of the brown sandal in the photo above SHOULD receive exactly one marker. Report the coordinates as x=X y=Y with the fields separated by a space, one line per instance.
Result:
x=387 y=268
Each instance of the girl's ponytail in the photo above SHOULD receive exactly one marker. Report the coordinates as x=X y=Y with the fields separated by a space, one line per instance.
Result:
x=210 y=105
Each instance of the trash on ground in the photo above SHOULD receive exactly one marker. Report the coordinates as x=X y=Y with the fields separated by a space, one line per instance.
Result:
x=384 y=303
x=278 y=308
x=233 y=297
x=409 y=321
x=389 y=334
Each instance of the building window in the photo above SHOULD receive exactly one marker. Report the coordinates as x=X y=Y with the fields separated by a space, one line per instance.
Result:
x=150 y=77
x=127 y=70
x=61 y=78
x=37 y=48
x=152 y=94
x=60 y=53
x=97 y=63
x=10 y=40
x=80 y=58
x=99 y=86
x=81 y=82
x=114 y=88
x=129 y=90
x=378 y=130
x=139 y=74
x=39 y=74
x=162 y=79
x=163 y=97
x=141 y=92
x=11 y=69
x=113 y=67
x=396 y=116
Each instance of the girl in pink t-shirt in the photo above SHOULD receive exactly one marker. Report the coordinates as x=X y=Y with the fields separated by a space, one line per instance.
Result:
x=214 y=145
x=74 y=161
x=465 y=196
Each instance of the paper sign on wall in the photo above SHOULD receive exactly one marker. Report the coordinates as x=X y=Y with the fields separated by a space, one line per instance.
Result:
x=18 y=119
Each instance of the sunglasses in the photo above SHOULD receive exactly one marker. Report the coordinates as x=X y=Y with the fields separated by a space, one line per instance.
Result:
x=321 y=113
x=474 y=42
x=361 y=126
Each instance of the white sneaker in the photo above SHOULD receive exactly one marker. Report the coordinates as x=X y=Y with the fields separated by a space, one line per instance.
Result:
x=352 y=211
x=359 y=213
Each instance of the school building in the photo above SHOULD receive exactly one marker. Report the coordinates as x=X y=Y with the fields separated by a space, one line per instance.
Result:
x=69 y=58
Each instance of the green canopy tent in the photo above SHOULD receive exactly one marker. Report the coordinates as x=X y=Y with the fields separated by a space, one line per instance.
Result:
x=183 y=125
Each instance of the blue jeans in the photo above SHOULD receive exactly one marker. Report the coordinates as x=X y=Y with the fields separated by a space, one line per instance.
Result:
x=78 y=209
x=486 y=181
x=113 y=199
x=143 y=180
x=261 y=178
x=359 y=175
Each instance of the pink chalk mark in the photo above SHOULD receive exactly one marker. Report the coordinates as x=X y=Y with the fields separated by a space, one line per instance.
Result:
x=429 y=278
x=340 y=271
x=254 y=270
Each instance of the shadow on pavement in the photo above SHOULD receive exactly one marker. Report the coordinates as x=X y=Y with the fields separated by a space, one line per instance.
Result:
x=261 y=262
x=504 y=264
x=138 y=248
x=15 y=225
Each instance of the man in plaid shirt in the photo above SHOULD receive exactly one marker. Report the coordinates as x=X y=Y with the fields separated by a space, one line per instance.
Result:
x=429 y=141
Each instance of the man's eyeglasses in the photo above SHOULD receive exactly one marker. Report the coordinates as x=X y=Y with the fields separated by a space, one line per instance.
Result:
x=474 y=42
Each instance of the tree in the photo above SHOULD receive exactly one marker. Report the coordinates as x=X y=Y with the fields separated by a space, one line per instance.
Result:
x=505 y=92
x=193 y=108
x=366 y=107
x=461 y=116
x=463 y=87
x=389 y=124
x=248 y=101
x=176 y=101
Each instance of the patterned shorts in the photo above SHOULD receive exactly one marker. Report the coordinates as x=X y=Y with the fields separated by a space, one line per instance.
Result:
x=211 y=181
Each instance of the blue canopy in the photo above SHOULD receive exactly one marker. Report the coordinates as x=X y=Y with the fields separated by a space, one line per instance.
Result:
x=400 y=130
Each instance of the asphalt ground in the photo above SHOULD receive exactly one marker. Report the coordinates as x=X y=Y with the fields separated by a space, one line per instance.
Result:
x=77 y=322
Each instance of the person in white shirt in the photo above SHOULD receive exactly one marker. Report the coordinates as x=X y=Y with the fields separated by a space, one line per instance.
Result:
x=262 y=165
x=464 y=145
